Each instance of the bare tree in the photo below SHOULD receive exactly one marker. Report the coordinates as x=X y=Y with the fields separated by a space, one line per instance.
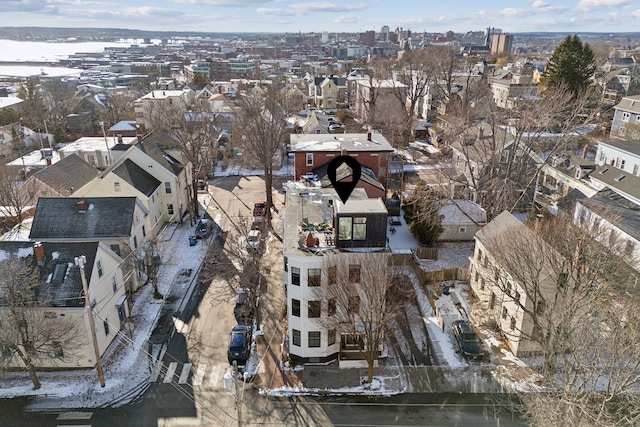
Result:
x=28 y=333
x=422 y=212
x=13 y=199
x=570 y=289
x=193 y=133
x=261 y=130
x=359 y=311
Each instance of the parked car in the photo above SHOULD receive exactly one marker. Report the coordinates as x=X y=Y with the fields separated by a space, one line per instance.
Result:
x=335 y=126
x=257 y=223
x=240 y=344
x=253 y=240
x=204 y=228
x=202 y=184
x=242 y=310
x=260 y=208
x=467 y=339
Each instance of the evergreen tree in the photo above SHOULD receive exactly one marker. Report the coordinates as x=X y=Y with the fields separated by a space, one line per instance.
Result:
x=571 y=66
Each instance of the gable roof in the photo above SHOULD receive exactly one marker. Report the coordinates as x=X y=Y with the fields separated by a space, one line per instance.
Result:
x=103 y=218
x=124 y=126
x=344 y=172
x=152 y=145
x=629 y=103
x=60 y=282
x=619 y=211
x=620 y=181
x=140 y=179
x=460 y=211
x=67 y=175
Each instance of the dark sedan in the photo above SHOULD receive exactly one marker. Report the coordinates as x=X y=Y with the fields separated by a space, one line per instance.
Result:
x=467 y=339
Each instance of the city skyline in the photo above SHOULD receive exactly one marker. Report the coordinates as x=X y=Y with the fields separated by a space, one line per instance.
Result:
x=317 y=16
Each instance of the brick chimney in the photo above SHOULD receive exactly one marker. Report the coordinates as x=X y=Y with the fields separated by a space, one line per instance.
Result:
x=368 y=136
x=38 y=251
x=82 y=206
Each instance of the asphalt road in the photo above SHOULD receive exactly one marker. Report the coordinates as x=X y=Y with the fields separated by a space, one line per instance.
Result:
x=189 y=390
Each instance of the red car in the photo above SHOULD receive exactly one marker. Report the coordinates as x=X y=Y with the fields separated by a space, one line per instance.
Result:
x=260 y=208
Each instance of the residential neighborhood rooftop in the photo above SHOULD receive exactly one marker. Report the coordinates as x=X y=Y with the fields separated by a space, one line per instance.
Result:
x=350 y=142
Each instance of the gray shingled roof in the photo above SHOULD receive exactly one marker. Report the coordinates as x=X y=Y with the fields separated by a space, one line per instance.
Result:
x=621 y=212
x=104 y=218
x=630 y=146
x=70 y=172
x=623 y=182
x=137 y=177
x=629 y=103
x=153 y=144
x=66 y=292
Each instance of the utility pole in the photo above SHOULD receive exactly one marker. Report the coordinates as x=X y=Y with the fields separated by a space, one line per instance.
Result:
x=80 y=261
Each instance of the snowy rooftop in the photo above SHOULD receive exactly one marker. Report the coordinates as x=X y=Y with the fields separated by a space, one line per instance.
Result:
x=347 y=141
x=93 y=143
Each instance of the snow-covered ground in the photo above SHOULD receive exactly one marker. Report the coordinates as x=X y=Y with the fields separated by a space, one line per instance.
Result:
x=127 y=362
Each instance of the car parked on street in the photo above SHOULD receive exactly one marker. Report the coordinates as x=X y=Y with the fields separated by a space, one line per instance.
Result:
x=243 y=311
x=240 y=344
x=204 y=228
x=253 y=240
x=260 y=208
x=467 y=339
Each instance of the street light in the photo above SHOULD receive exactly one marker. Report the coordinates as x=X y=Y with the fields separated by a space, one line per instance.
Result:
x=80 y=261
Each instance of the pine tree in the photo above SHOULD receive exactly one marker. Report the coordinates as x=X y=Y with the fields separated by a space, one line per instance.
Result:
x=571 y=66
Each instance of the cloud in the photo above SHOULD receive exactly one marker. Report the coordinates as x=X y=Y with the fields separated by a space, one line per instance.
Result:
x=127 y=13
x=234 y=3
x=299 y=9
x=41 y=6
x=589 y=5
x=539 y=3
x=346 y=19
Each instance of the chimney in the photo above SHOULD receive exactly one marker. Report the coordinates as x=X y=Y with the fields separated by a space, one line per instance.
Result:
x=219 y=89
x=310 y=241
x=48 y=161
x=139 y=137
x=368 y=136
x=584 y=151
x=480 y=133
x=82 y=206
x=38 y=251
x=119 y=138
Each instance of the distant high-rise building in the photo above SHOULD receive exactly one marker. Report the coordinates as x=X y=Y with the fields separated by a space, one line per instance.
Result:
x=368 y=38
x=449 y=35
x=501 y=43
x=384 y=33
x=325 y=37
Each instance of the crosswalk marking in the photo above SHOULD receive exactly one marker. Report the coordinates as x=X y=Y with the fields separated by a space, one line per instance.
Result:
x=170 y=371
x=199 y=375
x=156 y=372
x=214 y=380
x=184 y=375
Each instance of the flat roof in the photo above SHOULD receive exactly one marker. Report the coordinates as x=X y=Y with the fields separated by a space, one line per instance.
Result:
x=351 y=142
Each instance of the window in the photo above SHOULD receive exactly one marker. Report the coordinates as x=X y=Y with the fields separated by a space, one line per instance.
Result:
x=309 y=159
x=116 y=249
x=331 y=337
x=517 y=297
x=477 y=276
x=135 y=242
x=106 y=327
x=492 y=301
x=354 y=304
x=286 y=264
x=296 y=337
x=167 y=187
x=513 y=323
x=344 y=228
x=625 y=116
x=540 y=307
x=635 y=169
x=313 y=309
x=331 y=307
x=116 y=186
x=332 y=275
x=314 y=277
x=295 y=307
x=99 y=265
x=505 y=313
x=314 y=339
x=622 y=162
x=114 y=284
x=462 y=230
x=359 y=228
x=295 y=276
x=57 y=349
x=354 y=273
x=562 y=279
x=482 y=284
x=170 y=209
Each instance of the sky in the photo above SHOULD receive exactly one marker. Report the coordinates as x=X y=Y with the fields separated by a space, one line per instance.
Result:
x=327 y=15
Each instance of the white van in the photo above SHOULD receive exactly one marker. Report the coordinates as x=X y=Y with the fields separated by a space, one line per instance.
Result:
x=253 y=240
